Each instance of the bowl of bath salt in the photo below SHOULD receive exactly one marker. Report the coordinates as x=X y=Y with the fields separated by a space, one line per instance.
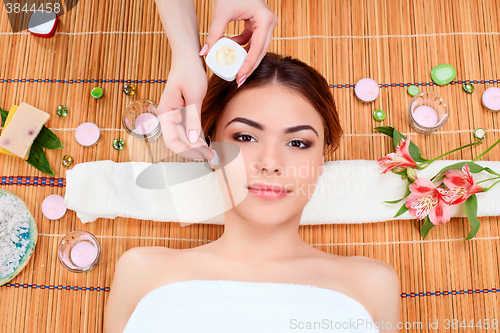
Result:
x=18 y=235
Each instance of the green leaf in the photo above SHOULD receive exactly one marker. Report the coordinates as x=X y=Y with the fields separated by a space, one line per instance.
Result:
x=401 y=211
x=407 y=192
x=414 y=151
x=387 y=130
x=47 y=139
x=393 y=201
x=424 y=230
x=3 y=114
x=474 y=168
x=471 y=211
x=38 y=159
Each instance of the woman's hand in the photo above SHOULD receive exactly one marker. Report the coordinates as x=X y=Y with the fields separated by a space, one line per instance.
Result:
x=186 y=87
x=260 y=22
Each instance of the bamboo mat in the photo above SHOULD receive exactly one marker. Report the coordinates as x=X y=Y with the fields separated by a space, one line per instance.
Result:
x=395 y=42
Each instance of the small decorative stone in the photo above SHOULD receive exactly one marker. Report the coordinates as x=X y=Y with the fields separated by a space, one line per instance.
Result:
x=468 y=87
x=118 y=144
x=129 y=89
x=379 y=115
x=67 y=161
x=62 y=111
x=479 y=133
x=443 y=74
x=413 y=90
x=97 y=92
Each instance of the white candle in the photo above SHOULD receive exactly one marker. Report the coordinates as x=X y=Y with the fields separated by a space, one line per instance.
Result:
x=146 y=123
x=367 y=90
x=53 y=207
x=87 y=134
x=83 y=254
x=425 y=116
x=491 y=99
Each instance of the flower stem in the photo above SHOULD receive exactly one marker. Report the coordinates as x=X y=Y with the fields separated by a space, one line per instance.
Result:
x=426 y=164
x=486 y=189
x=436 y=180
x=487 y=150
x=485 y=180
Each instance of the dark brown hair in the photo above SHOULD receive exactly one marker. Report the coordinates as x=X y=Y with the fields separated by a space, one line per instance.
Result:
x=284 y=71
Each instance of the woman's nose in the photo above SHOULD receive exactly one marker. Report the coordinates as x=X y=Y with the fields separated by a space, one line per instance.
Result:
x=271 y=159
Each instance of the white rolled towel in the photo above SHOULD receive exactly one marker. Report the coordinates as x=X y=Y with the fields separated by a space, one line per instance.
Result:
x=350 y=191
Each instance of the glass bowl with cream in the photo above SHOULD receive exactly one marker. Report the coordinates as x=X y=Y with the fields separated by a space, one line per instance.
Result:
x=226 y=58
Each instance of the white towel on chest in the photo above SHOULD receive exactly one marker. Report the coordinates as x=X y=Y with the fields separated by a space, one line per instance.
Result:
x=221 y=306
x=347 y=192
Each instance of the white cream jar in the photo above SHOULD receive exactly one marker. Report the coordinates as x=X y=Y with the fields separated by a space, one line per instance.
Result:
x=226 y=58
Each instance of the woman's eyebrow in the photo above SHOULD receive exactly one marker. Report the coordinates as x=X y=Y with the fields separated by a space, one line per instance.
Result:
x=261 y=127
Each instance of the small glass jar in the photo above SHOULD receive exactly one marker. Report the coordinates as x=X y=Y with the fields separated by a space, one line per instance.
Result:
x=428 y=111
x=141 y=120
x=79 y=251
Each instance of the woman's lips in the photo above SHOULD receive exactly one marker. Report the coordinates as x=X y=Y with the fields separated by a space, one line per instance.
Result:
x=268 y=191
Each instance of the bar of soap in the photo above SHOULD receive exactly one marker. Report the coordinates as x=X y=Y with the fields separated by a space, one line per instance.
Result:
x=23 y=128
x=12 y=110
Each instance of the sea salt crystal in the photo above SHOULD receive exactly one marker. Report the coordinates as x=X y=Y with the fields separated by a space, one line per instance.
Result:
x=14 y=221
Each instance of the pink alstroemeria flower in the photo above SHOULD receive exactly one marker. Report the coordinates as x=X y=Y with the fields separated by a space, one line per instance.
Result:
x=461 y=186
x=425 y=199
x=401 y=158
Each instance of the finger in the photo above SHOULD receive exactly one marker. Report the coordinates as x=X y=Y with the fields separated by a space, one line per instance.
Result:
x=265 y=28
x=193 y=122
x=243 y=38
x=219 y=24
x=198 y=150
x=258 y=41
x=169 y=121
x=262 y=55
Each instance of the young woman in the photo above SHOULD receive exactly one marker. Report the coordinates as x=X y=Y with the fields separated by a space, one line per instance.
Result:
x=283 y=119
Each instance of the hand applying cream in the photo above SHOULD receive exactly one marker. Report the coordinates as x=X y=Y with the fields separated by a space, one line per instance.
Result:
x=187 y=80
x=260 y=22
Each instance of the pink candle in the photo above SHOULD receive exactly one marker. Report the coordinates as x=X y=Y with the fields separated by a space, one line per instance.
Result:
x=87 y=134
x=146 y=123
x=425 y=116
x=367 y=90
x=491 y=99
x=53 y=207
x=83 y=254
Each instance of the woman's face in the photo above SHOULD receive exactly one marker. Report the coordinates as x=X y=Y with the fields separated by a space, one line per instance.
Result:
x=281 y=139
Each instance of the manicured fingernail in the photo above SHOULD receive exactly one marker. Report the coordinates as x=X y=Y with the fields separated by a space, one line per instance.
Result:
x=203 y=50
x=242 y=80
x=215 y=159
x=193 y=136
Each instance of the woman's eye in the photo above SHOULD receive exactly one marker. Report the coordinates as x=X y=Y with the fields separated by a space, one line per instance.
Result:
x=248 y=138
x=245 y=137
x=298 y=143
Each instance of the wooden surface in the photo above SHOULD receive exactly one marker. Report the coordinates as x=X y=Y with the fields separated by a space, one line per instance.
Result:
x=395 y=42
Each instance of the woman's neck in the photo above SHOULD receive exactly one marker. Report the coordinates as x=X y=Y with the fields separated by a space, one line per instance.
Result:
x=259 y=242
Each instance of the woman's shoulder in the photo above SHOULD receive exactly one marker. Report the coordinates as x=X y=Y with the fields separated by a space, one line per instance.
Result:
x=145 y=255
x=381 y=283
x=132 y=274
